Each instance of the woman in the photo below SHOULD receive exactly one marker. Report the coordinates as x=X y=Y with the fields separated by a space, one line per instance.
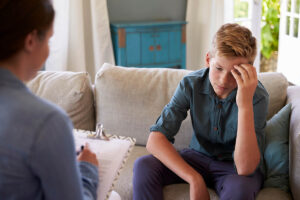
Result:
x=37 y=153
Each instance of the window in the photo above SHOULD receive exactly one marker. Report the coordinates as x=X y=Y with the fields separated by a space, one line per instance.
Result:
x=292 y=18
x=289 y=40
x=246 y=13
x=242 y=12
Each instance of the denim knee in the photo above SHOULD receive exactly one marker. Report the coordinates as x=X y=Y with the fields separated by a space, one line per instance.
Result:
x=142 y=164
x=146 y=168
x=239 y=188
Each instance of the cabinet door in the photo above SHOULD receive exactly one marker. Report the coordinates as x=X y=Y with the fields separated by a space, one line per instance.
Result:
x=148 y=48
x=133 y=49
x=161 y=47
x=175 y=46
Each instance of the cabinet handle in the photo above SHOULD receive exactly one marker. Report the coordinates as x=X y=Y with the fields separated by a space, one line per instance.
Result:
x=158 y=47
x=122 y=37
x=151 y=48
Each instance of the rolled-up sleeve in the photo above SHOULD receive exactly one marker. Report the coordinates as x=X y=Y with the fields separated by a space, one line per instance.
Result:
x=174 y=112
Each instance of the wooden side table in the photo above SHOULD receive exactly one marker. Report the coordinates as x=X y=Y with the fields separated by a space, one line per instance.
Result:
x=150 y=44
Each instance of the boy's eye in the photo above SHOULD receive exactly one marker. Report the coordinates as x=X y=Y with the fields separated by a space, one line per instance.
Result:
x=219 y=68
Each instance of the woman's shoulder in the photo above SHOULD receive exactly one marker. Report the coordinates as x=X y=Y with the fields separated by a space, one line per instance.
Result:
x=39 y=109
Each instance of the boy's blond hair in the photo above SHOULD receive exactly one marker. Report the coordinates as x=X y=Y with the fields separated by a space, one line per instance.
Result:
x=234 y=40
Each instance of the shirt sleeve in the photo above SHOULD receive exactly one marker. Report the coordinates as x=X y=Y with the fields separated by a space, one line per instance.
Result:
x=174 y=112
x=89 y=176
x=53 y=161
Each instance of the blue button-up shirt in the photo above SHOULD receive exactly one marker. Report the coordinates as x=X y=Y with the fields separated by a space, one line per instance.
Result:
x=214 y=120
x=37 y=152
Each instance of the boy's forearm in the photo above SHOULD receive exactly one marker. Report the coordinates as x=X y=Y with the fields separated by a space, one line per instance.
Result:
x=162 y=149
x=247 y=154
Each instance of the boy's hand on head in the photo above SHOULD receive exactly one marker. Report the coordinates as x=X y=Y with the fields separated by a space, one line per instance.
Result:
x=246 y=78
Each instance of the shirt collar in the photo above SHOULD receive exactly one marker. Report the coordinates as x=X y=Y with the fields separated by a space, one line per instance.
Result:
x=205 y=87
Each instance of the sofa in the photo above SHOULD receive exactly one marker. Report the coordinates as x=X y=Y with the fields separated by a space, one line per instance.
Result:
x=128 y=100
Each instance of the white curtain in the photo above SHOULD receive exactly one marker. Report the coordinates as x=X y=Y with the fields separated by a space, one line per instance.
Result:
x=204 y=19
x=81 y=40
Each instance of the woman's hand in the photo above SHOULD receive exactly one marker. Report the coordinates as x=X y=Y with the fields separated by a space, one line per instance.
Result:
x=88 y=156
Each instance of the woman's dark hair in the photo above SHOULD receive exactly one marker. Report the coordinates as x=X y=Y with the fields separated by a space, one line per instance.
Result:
x=20 y=17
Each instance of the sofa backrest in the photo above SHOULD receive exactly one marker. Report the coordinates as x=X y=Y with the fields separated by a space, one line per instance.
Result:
x=276 y=84
x=129 y=100
x=72 y=91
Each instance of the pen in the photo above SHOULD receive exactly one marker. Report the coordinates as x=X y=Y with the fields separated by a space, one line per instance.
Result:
x=81 y=149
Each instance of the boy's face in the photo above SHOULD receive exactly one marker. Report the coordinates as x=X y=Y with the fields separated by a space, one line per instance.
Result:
x=220 y=75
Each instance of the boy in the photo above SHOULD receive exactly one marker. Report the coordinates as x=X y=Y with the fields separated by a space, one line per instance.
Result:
x=228 y=108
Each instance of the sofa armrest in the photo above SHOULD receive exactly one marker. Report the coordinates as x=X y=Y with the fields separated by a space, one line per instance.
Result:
x=293 y=97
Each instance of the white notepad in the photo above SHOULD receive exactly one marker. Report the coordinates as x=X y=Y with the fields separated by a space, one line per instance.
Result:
x=111 y=155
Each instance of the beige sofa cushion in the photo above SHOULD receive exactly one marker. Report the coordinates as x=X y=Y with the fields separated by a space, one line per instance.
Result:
x=72 y=91
x=276 y=85
x=129 y=100
x=181 y=191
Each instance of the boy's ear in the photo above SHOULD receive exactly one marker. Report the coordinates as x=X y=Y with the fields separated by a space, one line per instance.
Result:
x=207 y=59
x=30 y=41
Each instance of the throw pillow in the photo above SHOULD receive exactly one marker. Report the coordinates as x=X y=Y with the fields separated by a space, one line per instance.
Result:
x=276 y=152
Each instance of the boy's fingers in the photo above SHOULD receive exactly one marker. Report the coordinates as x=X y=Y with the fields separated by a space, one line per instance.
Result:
x=236 y=76
x=243 y=72
x=250 y=70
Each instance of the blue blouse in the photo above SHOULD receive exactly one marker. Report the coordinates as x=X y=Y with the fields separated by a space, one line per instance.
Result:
x=37 y=151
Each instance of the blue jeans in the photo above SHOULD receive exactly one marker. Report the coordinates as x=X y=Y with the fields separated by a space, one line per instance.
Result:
x=150 y=176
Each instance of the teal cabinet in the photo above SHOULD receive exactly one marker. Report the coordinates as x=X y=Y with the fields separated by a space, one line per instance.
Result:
x=151 y=44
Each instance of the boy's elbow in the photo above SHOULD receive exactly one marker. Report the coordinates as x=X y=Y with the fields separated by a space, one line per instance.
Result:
x=245 y=172
x=148 y=145
x=151 y=142
x=247 y=169
x=155 y=141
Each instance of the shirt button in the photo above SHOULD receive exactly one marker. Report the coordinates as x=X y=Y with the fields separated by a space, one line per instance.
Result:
x=215 y=128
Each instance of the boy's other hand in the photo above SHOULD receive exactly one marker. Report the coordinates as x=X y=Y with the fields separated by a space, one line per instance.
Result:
x=246 y=78
x=88 y=156
x=198 y=189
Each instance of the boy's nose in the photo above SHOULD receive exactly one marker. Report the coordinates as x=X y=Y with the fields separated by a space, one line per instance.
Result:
x=224 y=80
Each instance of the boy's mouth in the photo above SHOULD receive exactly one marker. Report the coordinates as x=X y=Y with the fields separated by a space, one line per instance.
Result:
x=221 y=87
